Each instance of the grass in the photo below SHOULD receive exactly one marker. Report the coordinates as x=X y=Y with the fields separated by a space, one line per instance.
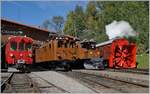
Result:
x=143 y=61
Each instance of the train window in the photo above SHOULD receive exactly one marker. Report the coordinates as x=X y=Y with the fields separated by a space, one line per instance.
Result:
x=72 y=44
x=28 y=46
x=93 y=46
x=21 y=46
x=13 y=46
x=49 y=45
x=88 y=45
x=59 y=44
x=66 y=45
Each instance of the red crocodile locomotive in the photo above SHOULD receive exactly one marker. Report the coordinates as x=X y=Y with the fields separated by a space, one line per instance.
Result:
x=18 y=51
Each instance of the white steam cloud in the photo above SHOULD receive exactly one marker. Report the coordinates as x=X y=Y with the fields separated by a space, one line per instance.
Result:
x=119 y=29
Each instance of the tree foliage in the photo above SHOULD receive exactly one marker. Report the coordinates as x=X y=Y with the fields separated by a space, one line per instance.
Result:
x=57 y=23
x=134 y=12
x=91 y=22
x=75 y=23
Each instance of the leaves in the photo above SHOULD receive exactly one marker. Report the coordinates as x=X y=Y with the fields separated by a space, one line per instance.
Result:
x=57 y=22
x=90 y=24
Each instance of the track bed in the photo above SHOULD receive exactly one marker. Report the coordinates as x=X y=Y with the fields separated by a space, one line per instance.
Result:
x=20 y=83
x=136 y=71
x=103 y=84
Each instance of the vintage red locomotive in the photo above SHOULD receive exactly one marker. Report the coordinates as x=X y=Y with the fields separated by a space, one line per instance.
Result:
x=118 y=53
x=17 y=51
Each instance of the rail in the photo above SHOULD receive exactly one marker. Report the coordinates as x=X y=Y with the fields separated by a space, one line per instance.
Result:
x=136 y=71
x=107 y=82
x=3 y=84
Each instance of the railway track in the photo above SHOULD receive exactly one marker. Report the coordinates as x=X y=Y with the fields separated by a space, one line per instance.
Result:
x=5 y=80
x=19 y=83
x=103 y=84
x=137 y=71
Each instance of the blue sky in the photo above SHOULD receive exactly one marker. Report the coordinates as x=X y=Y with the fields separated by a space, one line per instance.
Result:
x=35 y=12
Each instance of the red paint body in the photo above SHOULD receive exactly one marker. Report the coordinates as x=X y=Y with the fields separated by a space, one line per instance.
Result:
x=12 y=56
x=120 y=53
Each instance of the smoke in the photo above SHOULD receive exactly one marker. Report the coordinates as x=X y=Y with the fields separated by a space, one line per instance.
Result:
x=119 y=29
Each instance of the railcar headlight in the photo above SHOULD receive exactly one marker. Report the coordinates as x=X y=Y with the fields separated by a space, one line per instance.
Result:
x=21 y=55
x=66 y=38
x=11 y=55
x=91 y=52
x=30 y=55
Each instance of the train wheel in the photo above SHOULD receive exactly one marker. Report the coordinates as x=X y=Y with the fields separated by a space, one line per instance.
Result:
x=21 y=70
x=122 y=57
x=105 y=63
x=53 y=66
x=27 y=69
x=81 y=64
x=67 y=67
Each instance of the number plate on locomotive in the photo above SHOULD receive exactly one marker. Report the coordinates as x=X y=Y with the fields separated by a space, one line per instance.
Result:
x=20 y=61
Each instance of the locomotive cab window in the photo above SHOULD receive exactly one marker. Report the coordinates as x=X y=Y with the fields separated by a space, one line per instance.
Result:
x=49 y=45
x=72 y=44
x=13 y=46
x=88 y=45
x=92 y=46
x=28 y=46
x=60 y=44
x=65 y=45
x=21 y=46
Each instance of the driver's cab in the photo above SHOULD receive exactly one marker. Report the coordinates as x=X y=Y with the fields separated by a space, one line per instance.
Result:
x=90 y=48
x=63 y=47
x=18 y=48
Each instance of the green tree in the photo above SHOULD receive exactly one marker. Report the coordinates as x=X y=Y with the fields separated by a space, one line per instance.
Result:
x=79 y=20
x=92 y=22
x=57 y=22
x=136 y=13
x=69 y=24
x=75 y=23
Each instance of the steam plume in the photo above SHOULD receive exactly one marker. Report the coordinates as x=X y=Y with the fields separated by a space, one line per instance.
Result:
x=119 y=29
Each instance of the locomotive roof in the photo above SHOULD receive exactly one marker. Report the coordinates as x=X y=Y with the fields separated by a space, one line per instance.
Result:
x=104 y=43
x=88 y=41
x=18 y=37
x=107 y=42
x=72 y=37
x=55 y=36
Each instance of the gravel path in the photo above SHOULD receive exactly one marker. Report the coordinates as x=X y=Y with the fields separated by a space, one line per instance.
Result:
x=63 y=82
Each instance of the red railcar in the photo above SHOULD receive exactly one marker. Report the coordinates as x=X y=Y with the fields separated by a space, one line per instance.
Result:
x=18 y=51
x=118 y=53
